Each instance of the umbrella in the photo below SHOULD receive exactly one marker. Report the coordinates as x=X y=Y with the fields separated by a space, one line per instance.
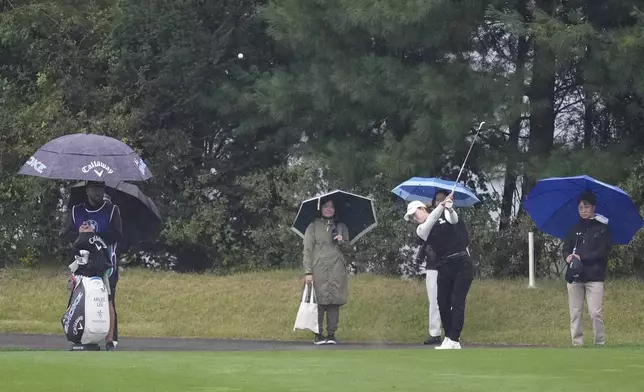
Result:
x=140 y=216
x=357 y=212
x=552 y=204
x=86 y=157
x=424 y=189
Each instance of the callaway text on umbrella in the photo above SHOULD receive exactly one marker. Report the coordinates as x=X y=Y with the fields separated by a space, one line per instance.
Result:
x=86 y=157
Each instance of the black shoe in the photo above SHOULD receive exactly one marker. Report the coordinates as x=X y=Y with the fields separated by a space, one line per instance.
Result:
x=433 y=340
x=110 y=346
x=331 y=339
x=319 y=339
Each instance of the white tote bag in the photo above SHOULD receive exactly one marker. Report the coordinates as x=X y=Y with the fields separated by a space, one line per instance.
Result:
x=307 y=315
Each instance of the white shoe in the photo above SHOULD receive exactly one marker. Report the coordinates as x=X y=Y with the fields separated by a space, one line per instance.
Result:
x=449 y=344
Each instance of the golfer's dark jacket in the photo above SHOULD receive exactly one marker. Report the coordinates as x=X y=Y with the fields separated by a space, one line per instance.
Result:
x=447 y=239
x=594 y=244
x=426 y=254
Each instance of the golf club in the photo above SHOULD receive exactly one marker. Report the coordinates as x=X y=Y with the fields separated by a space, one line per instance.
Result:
x=467 y=156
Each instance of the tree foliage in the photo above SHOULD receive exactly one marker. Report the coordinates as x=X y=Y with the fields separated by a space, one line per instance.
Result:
x=358 y=95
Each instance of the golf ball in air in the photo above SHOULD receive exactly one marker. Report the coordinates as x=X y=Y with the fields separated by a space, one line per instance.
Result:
x=241 y=56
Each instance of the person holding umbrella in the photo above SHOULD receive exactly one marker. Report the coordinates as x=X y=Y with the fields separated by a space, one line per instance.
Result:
x=329 y=225
x=142 y=221
x=441 y=231
x=96 y=159
x=97 y=215
x=586 y=251
x=590 y=216
x=326 y=241
x=427 y=257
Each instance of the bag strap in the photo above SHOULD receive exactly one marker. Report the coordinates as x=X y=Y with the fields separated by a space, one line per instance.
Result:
x=304 y=292
x=313 y=299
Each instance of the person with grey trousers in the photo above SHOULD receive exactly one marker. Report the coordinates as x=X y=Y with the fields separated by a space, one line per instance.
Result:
x=586 y=250
x=427 y=256
x=326 y=242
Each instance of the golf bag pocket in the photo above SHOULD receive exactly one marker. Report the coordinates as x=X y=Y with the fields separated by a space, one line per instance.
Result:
x=87 y=319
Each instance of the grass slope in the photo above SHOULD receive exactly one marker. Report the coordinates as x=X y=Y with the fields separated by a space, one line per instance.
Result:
x=264 y=305
x=526 y=370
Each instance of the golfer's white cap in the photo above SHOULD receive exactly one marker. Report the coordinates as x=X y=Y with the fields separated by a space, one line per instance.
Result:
x=412 y=207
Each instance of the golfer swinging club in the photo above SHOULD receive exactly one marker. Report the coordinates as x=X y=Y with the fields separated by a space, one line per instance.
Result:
x=441 y=231
x=455 y=270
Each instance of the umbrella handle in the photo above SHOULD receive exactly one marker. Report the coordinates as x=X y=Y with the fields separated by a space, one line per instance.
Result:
x=467 y=156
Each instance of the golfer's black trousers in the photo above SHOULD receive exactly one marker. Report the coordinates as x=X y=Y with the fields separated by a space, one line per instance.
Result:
x=455 y=277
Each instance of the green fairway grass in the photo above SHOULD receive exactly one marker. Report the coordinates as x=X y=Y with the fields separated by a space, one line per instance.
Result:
x=499 y=370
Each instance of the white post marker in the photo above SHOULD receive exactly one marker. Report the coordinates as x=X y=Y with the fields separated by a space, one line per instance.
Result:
x=531 y=259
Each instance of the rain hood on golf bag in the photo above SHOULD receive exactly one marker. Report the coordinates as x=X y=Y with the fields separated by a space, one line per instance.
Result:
x=87 y=319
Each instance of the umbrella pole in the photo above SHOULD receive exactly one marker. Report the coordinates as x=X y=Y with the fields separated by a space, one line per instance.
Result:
x=531 y=259
x=467 y=156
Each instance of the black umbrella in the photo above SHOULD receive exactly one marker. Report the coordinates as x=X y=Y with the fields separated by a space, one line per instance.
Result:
x=86 y=157
x=357 y=212
x=140 y=216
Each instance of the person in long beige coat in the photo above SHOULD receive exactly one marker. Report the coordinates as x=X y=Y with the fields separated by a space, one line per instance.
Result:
x=326 y=241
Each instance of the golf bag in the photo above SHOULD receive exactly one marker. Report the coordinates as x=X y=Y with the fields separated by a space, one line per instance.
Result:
x=87 y=318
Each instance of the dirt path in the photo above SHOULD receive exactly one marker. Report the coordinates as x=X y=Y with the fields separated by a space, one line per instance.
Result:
x=10 y=341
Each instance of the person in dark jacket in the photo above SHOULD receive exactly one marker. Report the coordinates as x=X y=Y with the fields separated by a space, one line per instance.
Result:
x=427 y=257
x=586 y=251
x=98 y=215
x=442 y=232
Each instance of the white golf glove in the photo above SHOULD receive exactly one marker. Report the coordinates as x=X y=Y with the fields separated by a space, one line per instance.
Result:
x=449 y=204
x=73 y=267
x=84 y=257
x=79 y=260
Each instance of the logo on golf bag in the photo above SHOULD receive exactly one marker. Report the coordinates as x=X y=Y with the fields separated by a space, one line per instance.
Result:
x=97 y=241
x=93 y=224
x=72 y=309
x=98 y=167
x=77 y=325
x=36 y=164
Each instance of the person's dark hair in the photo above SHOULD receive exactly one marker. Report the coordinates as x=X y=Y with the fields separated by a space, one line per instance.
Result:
x=318 y=213
x=443 y=191
x=588 y=197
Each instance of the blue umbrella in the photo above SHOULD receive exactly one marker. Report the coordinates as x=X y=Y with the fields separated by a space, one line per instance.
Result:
x=424 y=189
x=86 y=157
x=552 y=204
